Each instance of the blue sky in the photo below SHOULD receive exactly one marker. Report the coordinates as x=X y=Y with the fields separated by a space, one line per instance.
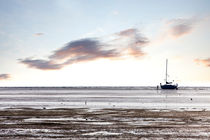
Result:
x=118 y=42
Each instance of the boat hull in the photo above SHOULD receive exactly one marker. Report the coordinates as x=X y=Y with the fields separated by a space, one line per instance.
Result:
x=169 y=86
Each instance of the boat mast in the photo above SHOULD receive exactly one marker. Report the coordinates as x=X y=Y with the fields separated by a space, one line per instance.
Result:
x=166 y=69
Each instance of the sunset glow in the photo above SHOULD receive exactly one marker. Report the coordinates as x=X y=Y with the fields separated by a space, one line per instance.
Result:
x=104 y=43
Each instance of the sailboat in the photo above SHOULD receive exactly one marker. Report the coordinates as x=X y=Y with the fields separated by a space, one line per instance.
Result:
x=168 y=85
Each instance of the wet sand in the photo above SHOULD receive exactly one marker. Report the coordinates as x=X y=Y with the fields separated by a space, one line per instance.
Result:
x=83 y=123
x=104 y=113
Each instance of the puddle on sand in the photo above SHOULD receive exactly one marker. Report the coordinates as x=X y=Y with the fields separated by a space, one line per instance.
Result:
x=101 y=133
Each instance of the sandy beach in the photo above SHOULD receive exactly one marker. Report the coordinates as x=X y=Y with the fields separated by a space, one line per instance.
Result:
x=42 y=113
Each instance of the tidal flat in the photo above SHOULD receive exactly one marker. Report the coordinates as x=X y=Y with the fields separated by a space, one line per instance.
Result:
x=104 y=113
x=84 y=123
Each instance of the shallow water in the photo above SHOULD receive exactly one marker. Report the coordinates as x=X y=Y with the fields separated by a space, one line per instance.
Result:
x=186 y=98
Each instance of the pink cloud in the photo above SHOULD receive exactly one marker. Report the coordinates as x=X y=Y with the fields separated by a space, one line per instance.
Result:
x=179 y=27
x=205 y=62
x=39 y=34
x=89 y=49
x=4 y=76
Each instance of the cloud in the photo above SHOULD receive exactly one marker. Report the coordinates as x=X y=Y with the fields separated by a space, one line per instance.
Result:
x=4 y=76
x=128 y=32
x=134 y=41
x=90 y=48
x=179 y=27
x=127 y=42
x=40 y=64
x=39 y=34
x=176 y=28
x=205 y=62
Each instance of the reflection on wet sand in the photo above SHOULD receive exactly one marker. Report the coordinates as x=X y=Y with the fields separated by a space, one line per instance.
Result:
x=81 y=113
x=23 y=123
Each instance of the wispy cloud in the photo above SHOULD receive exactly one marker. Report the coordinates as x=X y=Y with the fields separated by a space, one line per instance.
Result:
x=39 y=34
x=4 y=76
x=176 y=28
x=128 y=32
x=127 y=42
x=179 y=27
x=40 y=64
x=205 y=62
x=134 y=41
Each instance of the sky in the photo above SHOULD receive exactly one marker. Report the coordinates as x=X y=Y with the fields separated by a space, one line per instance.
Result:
x=104 y=42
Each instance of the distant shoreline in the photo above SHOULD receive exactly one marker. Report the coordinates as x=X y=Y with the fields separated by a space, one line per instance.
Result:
x=101 y=87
